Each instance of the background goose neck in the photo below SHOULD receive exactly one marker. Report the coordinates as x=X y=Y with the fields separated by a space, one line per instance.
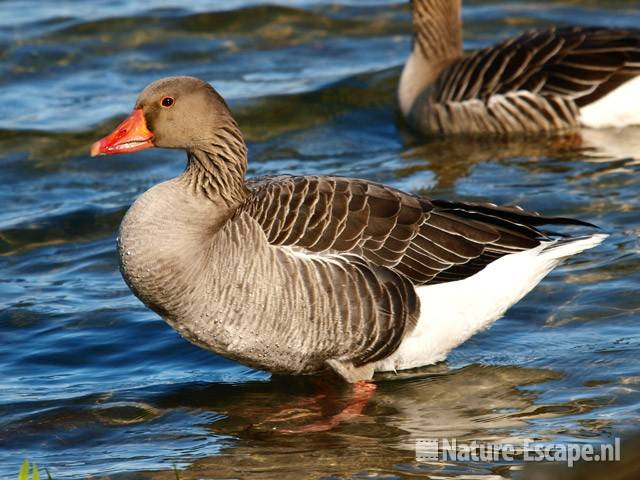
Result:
x=438 y=29
x=437 y=43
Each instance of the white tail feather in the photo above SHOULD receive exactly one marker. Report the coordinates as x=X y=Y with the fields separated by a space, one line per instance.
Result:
x=618 y=108
x=452 y=312
x=562 y=249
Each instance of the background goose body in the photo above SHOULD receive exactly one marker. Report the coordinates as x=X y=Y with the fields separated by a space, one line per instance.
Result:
x=301 y=274
x=541 y=81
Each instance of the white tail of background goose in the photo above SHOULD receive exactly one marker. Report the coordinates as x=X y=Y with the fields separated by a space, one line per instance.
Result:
x=541 y=81
x=298 y=275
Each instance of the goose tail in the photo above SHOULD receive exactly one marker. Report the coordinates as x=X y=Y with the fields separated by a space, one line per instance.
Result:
x=567 y=247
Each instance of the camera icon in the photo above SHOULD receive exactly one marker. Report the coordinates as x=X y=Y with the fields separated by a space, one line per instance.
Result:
x=426 y=450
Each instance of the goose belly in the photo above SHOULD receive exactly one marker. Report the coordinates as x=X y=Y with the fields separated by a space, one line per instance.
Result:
x=619 y=108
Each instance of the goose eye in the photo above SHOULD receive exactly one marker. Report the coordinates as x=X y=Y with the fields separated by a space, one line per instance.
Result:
x=166 y=101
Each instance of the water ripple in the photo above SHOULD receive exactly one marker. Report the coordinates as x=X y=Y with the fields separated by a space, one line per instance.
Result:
x=95 y=384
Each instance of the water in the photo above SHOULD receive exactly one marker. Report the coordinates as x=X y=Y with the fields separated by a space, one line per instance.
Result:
x=94 y=384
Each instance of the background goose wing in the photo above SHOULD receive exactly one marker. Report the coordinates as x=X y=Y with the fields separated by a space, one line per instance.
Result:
x=541 y=77
x=427 y=241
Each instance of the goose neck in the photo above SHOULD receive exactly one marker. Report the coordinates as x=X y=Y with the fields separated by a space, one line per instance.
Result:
x=216 y=169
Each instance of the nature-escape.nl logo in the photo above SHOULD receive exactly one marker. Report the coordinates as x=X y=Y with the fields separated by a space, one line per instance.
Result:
x=448 y=449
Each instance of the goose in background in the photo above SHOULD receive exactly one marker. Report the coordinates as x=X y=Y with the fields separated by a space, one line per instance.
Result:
x=309 y=274
x=542 y=81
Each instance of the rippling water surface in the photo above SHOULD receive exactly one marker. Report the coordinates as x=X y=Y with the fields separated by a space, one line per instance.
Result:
x=95 y=384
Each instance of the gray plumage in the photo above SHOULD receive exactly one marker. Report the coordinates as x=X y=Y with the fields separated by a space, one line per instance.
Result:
x=536 y=82
x=293 y=274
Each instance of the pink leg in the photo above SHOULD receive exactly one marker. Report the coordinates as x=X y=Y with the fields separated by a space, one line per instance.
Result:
x=361 y=392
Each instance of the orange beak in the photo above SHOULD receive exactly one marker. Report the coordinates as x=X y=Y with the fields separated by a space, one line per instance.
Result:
x=130 y=136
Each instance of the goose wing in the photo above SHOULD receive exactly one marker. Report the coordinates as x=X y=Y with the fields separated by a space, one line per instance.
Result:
x=426 y=241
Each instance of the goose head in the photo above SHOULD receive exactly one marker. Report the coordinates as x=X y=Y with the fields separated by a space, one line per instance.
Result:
x=174 y=112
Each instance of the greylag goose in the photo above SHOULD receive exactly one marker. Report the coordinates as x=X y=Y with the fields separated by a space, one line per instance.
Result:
x=304 y=274
x=542 y=81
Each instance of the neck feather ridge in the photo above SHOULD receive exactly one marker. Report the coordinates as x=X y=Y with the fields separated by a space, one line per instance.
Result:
x=216 y=168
